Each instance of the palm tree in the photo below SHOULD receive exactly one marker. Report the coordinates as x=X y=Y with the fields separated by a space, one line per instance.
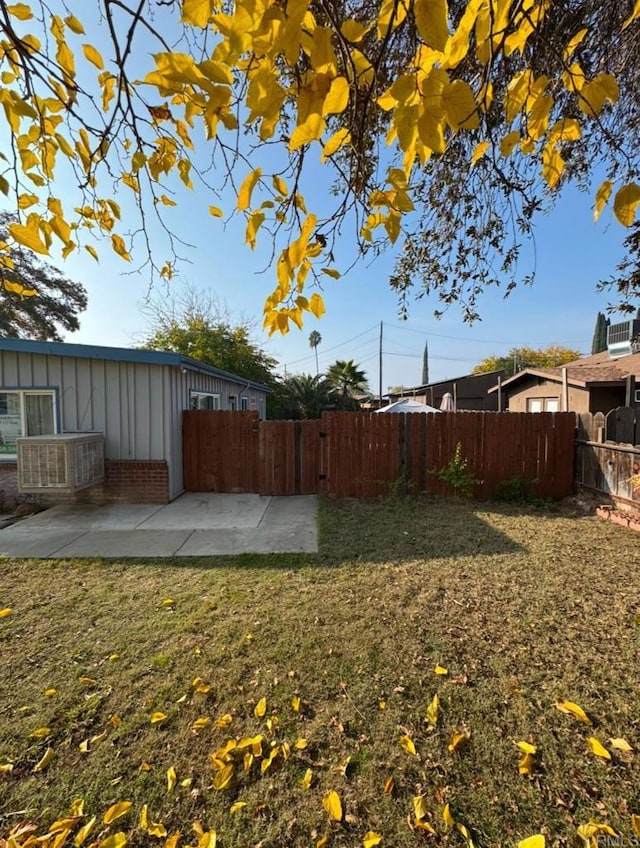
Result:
x=310 y=395
x=348 y=380
x=314 y=340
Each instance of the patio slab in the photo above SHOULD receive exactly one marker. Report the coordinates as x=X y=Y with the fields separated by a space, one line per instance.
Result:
x=193 y=525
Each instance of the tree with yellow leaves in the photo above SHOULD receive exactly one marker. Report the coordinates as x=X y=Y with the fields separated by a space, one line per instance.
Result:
x=447 y=125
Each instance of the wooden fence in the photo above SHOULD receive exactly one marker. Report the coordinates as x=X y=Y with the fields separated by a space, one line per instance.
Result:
x=365 y=455
x=608 y=452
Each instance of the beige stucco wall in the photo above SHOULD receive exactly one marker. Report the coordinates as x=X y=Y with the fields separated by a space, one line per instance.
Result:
x=539 y=388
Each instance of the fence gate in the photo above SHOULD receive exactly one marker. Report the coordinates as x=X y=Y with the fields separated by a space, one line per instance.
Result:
x=220 y=451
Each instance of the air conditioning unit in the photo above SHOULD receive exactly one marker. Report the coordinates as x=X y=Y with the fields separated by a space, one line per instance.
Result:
x=623 y=338
x=64 y=463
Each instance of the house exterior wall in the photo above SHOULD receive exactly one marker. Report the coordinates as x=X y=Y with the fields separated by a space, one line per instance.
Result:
x=537 y=387
x=471 y=392
x=138 y=407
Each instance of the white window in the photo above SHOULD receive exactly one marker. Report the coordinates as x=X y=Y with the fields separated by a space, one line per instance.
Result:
x=244 y=403
x=25 y=413
x=637 y=395
x=205 y=400
x=543 y=405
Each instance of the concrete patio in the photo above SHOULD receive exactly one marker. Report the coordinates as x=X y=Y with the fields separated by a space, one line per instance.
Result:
x=192 y=525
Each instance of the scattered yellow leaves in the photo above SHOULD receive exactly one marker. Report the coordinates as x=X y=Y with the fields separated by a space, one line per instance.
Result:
x=537 y=841
x=171 y=779
x=406 y=743
x=598 y=748
x=5 y=612
x=260 y=708
x=371 y=839
x=307 y=779
x=440 y=670
x=158 y=717
x=626 y=203
x=116 y=811
x=621 y=745
x=458 y=740
x=432 y=711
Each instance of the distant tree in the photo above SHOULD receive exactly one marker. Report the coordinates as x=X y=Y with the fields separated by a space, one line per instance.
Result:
x=520 y=358
x=309 y=395
x=314 y=340
x=599 y=342
x=425 y=364
x=55 y=301
x=195 y=325
x=626 y=283
x=348 y=380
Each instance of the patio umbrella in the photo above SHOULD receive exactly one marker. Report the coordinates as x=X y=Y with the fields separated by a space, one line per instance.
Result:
x=446 y=404
x=407 y=405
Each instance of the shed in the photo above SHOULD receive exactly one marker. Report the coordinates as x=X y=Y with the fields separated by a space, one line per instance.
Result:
x=134 y=397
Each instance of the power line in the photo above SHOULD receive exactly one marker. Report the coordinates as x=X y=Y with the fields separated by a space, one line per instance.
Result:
x=432 y=356
x=335 y=347
x=520 y=342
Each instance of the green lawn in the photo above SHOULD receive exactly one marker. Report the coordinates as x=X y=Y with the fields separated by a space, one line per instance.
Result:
x=524 y=609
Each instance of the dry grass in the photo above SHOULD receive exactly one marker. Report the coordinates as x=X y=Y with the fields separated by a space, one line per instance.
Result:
x=522 y=609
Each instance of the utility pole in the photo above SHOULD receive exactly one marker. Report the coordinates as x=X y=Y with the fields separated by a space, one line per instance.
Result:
x=380 y=358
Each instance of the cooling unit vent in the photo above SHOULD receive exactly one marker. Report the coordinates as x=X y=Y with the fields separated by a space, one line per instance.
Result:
x=64 y=463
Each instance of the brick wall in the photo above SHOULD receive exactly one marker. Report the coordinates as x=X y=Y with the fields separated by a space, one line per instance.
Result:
x=126 y=481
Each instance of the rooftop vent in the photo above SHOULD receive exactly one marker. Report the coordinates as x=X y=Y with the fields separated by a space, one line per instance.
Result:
x=64 y=463
x=623 y=338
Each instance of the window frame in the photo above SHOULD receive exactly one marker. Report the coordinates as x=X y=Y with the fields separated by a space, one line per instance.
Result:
x=543 y=401
x=244 y=403
x=196 y=393
x=51 y=391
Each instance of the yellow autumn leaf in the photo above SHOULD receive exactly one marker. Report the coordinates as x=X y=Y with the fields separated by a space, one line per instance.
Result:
x=238 y=805
x=28 y=237
x=40 y=732
x=354 y=31
x=158 y=717
x=84 y=832
x=115 y=811
x=20 y=11
x=201 y=723
x=215 y=211
x=371 y=839
x=223 y=777
x=260 y=708
x=93 y=56
x=172 y=841
x=308 y=131
x=635 y=820
x=447 y=816
x=83 y=747
x=6 y=768
x=458 y=740
x=44 y=762
x=406 y=743
x=589 y=831
x=419 y=806
x=307 y=779
x=339 y=139
x=116 y=840
x=316 y=305
x=602 y=198
x=49 y=693
x=459 y=105
x=388 y=786
x=157 y=829
x=573 y=709
x=197 y=12
x=171 y=779
x=527 y=764
x=280 y=186
x=87 y=681
x=295 y=704
x=246 y=189
x=5 y=612
x=597 y=748
x=431 y=20
x=224 y=721
x=527 y=747
x=625 y=204
x=440 y=670
x=332 y=804
x=633 y=16
x=537 y=841
x=74 y=24
x=478 y=152
x=337 y=98
x=621 y=745
x=431 y=715
x=301 y=744
x=321 y=843
x=117 y=242
x=92 y=251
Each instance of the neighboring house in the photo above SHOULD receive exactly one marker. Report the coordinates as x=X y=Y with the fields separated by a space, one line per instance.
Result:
x=134 y=397
x=597 y=383
x=469 y=392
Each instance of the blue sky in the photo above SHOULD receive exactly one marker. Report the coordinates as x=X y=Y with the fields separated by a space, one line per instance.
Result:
x=572 y=254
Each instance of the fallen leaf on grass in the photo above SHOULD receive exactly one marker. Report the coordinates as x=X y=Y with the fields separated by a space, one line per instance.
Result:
x=40 y=733
x=239 y=805
x=81 y=836
x=573 y=709
x=171 y=779
x=87 y=681
x=6 y=768
x=371 y=839
x=116 y=811
x=597 y=748
x=537 y=841
x=172 y=840
x=432 y=711
x=621 y=745
x=406 y=743
x=440 y=670
x=295 y=704
x=201 y=685
x=5 y=612
x=388 y=786
x=201 y=723
x=591 y=829
x=458 y=741
x=44 y=762
x=307 y=779
x=158 y=717
x=77 y=807
x=224 y=721
x=260 y=708
x=447 y=816
x=167 y=602
x=635 y=824
x=116 y=840
x=332 y=804
x=49 y=693
x=419 y=806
